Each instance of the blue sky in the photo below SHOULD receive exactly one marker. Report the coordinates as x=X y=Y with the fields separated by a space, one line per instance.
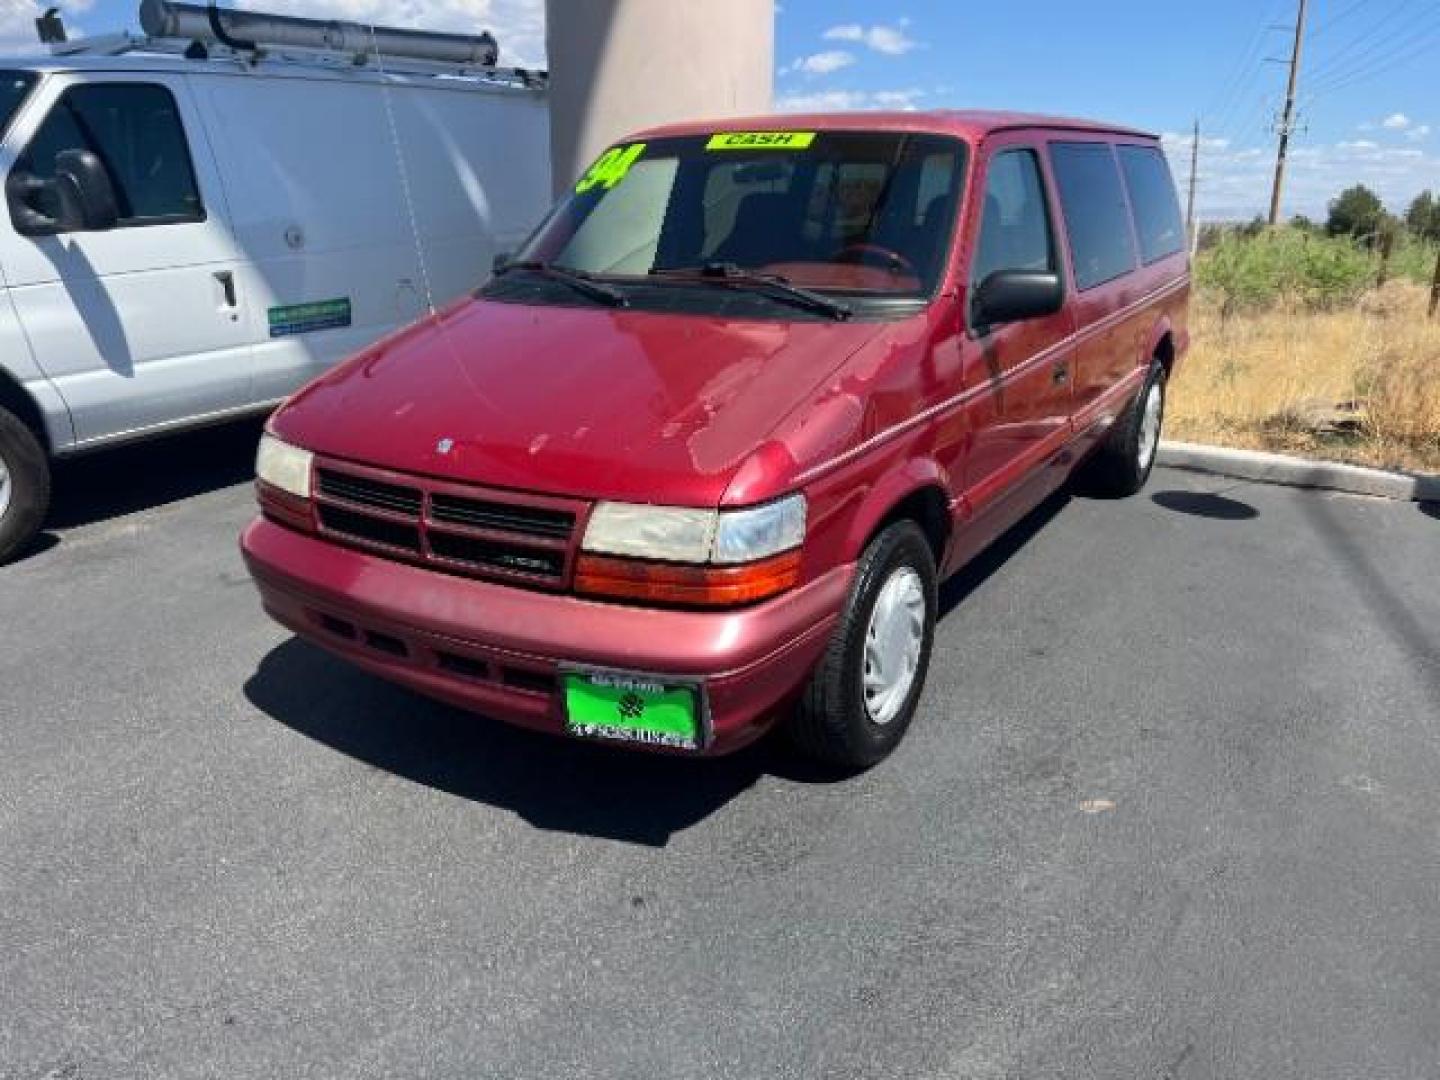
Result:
x=1370 y=109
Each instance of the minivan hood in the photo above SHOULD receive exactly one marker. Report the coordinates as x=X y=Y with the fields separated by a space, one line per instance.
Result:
x=588 y=402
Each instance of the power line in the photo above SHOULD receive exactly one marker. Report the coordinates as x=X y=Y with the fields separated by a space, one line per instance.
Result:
x=1406 y=54
x=1344 y=56
x=1242 y=77
x=1329 y=24
x=1381 y=55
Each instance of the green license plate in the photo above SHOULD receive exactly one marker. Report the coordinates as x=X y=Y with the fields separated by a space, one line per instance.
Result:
x=629 y=709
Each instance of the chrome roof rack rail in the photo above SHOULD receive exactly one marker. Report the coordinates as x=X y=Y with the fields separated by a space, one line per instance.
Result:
x=200 y=32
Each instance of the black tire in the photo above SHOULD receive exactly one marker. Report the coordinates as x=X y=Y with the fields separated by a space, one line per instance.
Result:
x=25 y=498
x=1119 y=468
x=832 y=723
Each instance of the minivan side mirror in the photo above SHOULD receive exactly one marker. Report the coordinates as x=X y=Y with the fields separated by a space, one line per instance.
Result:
x=1008 y=296
x=501 y=260
x=80 y=197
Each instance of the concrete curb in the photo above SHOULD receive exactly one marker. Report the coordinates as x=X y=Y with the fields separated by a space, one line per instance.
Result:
x=1299 y=472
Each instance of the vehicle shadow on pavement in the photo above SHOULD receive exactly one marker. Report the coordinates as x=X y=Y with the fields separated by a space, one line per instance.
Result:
x=127 y=479
x=1430 y=509
x=553 y=783
x=1206 y=504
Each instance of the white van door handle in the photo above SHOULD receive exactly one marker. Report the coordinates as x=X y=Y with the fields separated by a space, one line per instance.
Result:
x=227 y=286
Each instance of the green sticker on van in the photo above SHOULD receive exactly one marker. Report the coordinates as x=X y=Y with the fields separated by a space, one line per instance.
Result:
x=761 y=140
x=612 y=167
x=307 y=318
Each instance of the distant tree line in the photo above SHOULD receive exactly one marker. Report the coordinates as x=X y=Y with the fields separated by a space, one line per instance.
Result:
x=1358 y=213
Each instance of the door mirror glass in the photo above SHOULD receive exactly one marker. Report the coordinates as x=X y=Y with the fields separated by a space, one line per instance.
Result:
x=83 y=190
x=1008 y=296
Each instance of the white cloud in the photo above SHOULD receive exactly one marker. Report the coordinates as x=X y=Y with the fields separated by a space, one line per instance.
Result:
x=1235 y=181
x=850 y=101
x=891 y=40
x=823 y=63
x=519 y=25
x=1396 y=122
x=1419 y=134
x=1175 y=140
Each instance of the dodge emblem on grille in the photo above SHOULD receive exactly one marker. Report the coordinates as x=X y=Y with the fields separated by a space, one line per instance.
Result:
x=444 y=446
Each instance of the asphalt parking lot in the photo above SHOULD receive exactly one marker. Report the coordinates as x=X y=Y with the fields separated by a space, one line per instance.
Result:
x=1168 y=811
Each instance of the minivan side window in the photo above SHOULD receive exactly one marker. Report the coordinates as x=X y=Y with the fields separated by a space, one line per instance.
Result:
x=1015 y=229
x=1152 y=196
x=1097 y=218
x=135 y=129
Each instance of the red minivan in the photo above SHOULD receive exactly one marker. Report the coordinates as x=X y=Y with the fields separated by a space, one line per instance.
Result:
x=695 y=459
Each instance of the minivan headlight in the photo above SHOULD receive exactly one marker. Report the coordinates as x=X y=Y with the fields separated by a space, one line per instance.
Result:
x=674 y=534
x=663 y=533
x=284 y=466
x=692 y=558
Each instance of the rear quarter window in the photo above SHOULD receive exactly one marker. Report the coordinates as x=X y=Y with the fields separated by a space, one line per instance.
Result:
x=1097 y=217
x=1153 y=200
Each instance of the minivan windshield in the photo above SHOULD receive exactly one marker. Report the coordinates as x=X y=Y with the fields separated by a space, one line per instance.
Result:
x=862 y=214
x=14 y=86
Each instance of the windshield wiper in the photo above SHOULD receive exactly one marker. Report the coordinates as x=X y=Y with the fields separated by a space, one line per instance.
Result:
x=729 y=273
x=578 y=280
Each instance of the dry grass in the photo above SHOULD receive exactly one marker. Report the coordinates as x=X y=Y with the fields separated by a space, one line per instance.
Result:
x=1361 y=384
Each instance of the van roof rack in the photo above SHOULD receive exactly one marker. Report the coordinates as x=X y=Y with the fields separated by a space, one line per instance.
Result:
x=201 y=32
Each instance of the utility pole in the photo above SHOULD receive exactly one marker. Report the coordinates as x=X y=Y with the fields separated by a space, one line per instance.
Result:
x=1194 y=173
x=1287 y=119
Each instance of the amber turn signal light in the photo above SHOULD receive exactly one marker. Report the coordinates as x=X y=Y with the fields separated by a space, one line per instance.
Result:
x=686 y=586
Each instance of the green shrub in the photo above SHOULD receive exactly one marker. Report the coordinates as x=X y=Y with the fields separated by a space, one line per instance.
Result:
x=1252 y=272
x=1414 y=259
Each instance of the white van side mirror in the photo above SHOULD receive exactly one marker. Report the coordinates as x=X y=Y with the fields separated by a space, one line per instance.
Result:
x=80 y=197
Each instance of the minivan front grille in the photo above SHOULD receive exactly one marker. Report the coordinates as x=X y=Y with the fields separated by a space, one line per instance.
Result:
x=489 y=534
x=451 y=510
x=373 y=530
x=372 y=493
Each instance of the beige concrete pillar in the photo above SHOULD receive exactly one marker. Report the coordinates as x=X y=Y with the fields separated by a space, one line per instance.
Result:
x=619 y=65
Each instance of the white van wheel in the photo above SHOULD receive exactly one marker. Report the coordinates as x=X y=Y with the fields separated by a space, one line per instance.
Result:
x=24 y=485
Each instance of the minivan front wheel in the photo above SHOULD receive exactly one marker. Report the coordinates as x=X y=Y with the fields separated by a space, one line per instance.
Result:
x=863 y=695
x=24 y=485
x=1122 y=465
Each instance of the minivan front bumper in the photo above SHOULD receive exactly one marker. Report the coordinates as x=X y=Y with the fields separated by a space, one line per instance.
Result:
x=499 y=650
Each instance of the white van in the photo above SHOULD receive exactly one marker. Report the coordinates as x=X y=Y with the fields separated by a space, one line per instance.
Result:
x=190 y=238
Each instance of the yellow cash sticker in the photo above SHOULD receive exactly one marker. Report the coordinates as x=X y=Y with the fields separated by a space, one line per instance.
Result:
x=612 y=167
x=761 y=140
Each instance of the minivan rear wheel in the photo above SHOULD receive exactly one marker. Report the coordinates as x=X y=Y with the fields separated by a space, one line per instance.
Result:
x=24 y=485
x=1123 y=463
x=863 y=695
